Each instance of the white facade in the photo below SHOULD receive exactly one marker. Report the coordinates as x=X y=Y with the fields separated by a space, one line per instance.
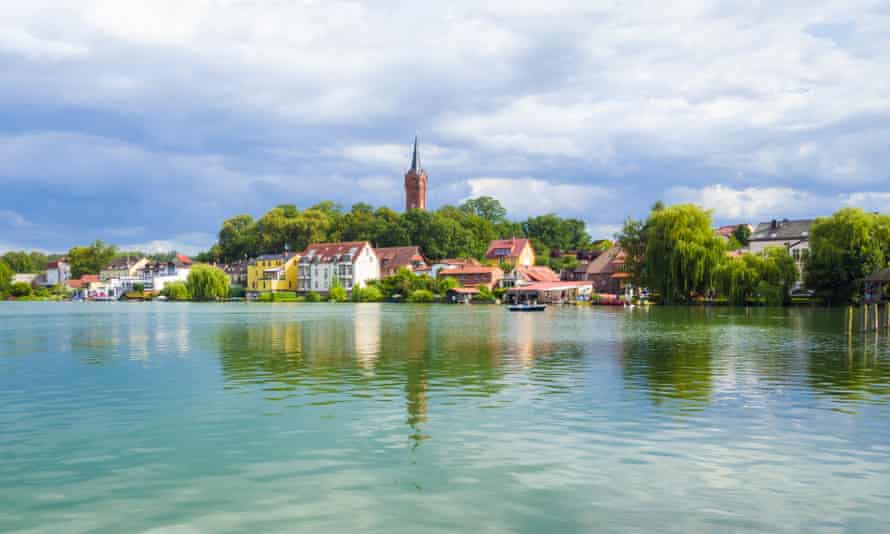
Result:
x=352 y=264
x=57 y=273
x=157 y=281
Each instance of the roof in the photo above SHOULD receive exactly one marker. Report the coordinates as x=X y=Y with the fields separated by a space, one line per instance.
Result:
x=549 y=286
x=506 y=248
x=333 y=252
x=458 y=261
x=470 y=269
x=123 y=263
x=415 y=158
x=782 y=230
x=54 y=264
x=395 y=257
x=606 y=263
x=881 y=275
x=537 y=273
x=182 y=259
x=89 y=278
x=74 y=284
x=464 y=290
x=268 y=257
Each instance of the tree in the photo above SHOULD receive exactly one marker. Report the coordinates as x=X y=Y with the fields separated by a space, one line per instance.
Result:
x=207 y=283
x=742 y=234
x=5 y=278
x=421 y=295
x=632 y=239
x=176 y=291
x=338 y=292
x=486 y=207
x=90 y=259
x=770 y=274
x=844 y=249
x=682 y=252
x=366 y=294
x=312 y=296
x=237 y=239
x=24 y=262
x=20 y=289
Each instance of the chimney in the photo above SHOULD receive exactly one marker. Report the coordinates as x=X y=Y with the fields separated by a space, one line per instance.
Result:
x=774 y=224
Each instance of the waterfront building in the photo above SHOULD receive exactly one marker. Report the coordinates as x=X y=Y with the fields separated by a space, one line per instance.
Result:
x=450 y=263
x=474 y=276
x=123 y=268
x=550 y=292
x=352 y=264
x=794 y=236
x=606 y=272
x=394 y=258
x=515 y=251
x=155 y=275
x=237 y=271
x=56 y=272
x=523 y=275
x=273 y=272
x=415 y=183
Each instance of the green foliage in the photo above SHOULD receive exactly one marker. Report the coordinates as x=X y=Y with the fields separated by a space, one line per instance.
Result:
x=370 y=293
x=403 y=283
x=742 y=279
x=138 y=288
x=488 y=208
x=844 y=249
x=742 y=234
x=485 y=295
x=312 y=296
x=551 y=232
x=5 y=278
x=421 y=295
x=90 y=259
x=25 y=262
x=207 y=283
x=682 y=252
x=20 y=289
x=236 y=291
x=176 y=291
x=632 y=240
x=338 y=292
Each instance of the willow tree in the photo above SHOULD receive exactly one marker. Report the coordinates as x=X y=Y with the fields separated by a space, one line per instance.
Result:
x=770 y=274
x=682 y=251
x=206 y=282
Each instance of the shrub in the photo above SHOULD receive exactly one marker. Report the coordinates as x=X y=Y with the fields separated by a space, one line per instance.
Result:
x=236 y=292
x=20 y=289
x=312 y=296
x=208 y=283
x=367 y=294
x=138 y=288
x=338 y=292
x=176 y=291
x=421 y=295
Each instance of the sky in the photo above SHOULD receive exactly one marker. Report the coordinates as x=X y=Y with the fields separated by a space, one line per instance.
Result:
x=146 y=124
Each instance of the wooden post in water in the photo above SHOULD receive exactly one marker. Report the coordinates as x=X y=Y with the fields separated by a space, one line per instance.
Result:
x=877 y=314
x=865 y=317
x=849 y=320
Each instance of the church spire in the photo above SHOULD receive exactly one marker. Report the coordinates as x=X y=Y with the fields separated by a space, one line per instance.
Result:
x=415 y=159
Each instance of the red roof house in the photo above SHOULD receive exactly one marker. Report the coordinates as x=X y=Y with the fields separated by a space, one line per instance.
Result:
x=517 y=251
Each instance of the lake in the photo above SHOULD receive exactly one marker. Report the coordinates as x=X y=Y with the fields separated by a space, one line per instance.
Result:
x=183 y=418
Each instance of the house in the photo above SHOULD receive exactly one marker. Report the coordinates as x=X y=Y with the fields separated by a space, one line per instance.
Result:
x=727 y=232
x=123 y=268
x=521 y=276
x=550 y=292
x=352 y=264
x=394 y=258
x=461 y=295
x=474 y=275
x=155 y=275
x=876 y=286
x=606 y=272
x=794 y=236
x=56 y=272
x=273 y=273
x=514 y=251
x=450 y=263
x=237 y=271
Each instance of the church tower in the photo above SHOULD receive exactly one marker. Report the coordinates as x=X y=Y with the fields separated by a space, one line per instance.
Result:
x=415 y=183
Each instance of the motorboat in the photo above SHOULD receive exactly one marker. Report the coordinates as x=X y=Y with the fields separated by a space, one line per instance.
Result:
x=527 y=307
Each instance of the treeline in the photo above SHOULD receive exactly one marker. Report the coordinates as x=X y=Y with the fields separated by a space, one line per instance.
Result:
x=675 y=253
x=85 y=259
x=450 y=231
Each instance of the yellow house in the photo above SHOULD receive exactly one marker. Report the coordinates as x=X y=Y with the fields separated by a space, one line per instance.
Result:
x=273 y=272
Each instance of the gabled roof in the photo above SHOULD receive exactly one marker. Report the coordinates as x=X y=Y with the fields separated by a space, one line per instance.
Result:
x=608 y=262
x=333 y=252
x=783 y=230
x=54 y=264
x=395 y=257
x=537 y=273
x=458 y=261
x=123 y=263
x=471 y=269
x=182 y=259
x=89 y=278
x=506 y=248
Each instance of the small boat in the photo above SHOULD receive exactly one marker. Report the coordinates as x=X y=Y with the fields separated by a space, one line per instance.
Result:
x=527 y=307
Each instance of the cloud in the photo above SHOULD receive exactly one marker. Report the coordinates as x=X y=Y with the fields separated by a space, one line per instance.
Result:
x=190 y=243
x=530 y=196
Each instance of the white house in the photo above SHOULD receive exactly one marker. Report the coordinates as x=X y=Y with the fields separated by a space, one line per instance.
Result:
x=352 y=264
x=154 y=276
x=57 y=272
x=793 y=236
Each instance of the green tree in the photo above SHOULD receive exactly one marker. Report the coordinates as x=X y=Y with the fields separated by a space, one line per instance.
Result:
x=312 y=296
x=682 y=252
x=24 y=262
x=90 y=259
x=485 y=207
x=632 y=239
x=844 y=249
x=421 y=295
x=338 y=292
x=742 y=234
x=237 y=239
x=20 y=289
x=207 y=283
x=176 y=291
x=5 y=278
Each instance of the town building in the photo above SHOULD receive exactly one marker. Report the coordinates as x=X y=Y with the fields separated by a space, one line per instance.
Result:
x=550 y=292
x=474 y=275
x=522 y=275
x=515 y=251
x=793 y=236
x=123 y=268
x=448 y=263
x=236 y=271
x=394 y=258
x=352 y=264
x=415 y=183
x=56 y=272
x=155 y=275
x=728 y=232
x=606 y=271
x=273 y=273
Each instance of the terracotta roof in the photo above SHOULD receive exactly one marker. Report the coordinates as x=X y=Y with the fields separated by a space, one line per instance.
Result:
x=549 y=286
x=89 y=278
x=74 y=284
x=457 y=261
x=506 y=248
x=464 y=290
x=393 y=258
x=605 y=263
x=470 y=269
x=331 y=252
x=182 y=259
x=537 y=273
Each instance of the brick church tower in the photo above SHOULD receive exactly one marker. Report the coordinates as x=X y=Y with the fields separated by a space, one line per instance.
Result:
x=415 y=184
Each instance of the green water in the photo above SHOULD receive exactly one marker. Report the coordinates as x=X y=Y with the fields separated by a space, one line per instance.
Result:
x=396 y=418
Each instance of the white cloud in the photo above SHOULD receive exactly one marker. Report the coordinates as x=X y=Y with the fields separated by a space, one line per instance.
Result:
x=12 y=219
x=190 y=243
x=603 y=231
x=530 y=196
